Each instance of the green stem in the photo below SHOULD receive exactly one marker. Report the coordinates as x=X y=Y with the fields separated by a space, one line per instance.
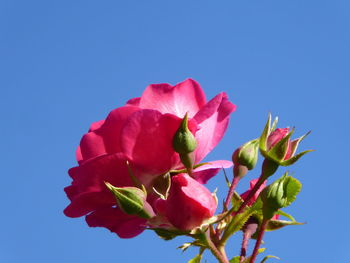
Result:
x=220 y=253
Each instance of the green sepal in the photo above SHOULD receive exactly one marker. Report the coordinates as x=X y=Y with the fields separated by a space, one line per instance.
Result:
x=277 y=224
x=226 y=179
x=282 y=213
x=196 y=259
x=161 y=185
x=185 y=246
x=169 y=234
x=265 y=134
x=295 y=158
x=195 y=243
x=269 y=256
x=181 y=171
x=134 y=179
x=295 y=143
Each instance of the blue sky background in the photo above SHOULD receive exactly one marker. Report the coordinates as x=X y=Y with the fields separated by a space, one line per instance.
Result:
x=65 y=64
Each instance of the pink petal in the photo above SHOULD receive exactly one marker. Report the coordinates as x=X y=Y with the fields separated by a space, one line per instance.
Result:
x=125 y=226
x=213 y=120
x=96 y=125
x=147 y=140
x=88 y=191
x=111 y=130
x=189 y=203
x=104 y=136
x=184 y=97
x=134 y=102
x=276 y=136
x=203 y=173
x=91 y=145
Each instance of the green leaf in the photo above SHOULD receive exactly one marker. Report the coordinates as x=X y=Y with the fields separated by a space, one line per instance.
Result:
x=291 y=188
x=269 y=256
x=277 y=224
x=196 y=259
x=238 y=221
x=235 y=259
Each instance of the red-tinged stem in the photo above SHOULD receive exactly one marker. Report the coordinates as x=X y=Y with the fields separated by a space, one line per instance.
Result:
x=251 y=194
x=233 y=186
x=239 y=171
x=258 y=241
x=268 y=168
x=248 y=230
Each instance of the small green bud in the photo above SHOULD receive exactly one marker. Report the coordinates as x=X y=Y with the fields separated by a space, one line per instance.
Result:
x=247 y=154
x=276 y=144
x=279 y=194
x=132 y=201
x=184 y=142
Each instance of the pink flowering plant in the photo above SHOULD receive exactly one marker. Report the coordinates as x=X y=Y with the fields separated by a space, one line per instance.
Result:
x=142 y=169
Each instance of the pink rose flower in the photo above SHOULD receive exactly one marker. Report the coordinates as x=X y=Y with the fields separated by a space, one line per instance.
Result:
x=189 y=203
x=140 y=134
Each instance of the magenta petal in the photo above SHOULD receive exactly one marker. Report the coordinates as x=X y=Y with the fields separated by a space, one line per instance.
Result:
x=88 y=191
x=104 y=136
x=134 y=102
x=111 y=129
x=276 y=136
x=186 y=96
x=91 y=145
x=203 y=173
x=125 y=226
x=96 y=125
x=189 y=203
x=212 y=120
x=147 y=140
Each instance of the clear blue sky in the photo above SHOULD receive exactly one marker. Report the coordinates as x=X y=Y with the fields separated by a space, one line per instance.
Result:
x=65 y=64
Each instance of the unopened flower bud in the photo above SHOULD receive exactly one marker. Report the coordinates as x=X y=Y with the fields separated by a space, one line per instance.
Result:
x=132 y=201
x=276 y=145
x=279 y=194
x=247 y=154
x=185 y=143
x=189 y=203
